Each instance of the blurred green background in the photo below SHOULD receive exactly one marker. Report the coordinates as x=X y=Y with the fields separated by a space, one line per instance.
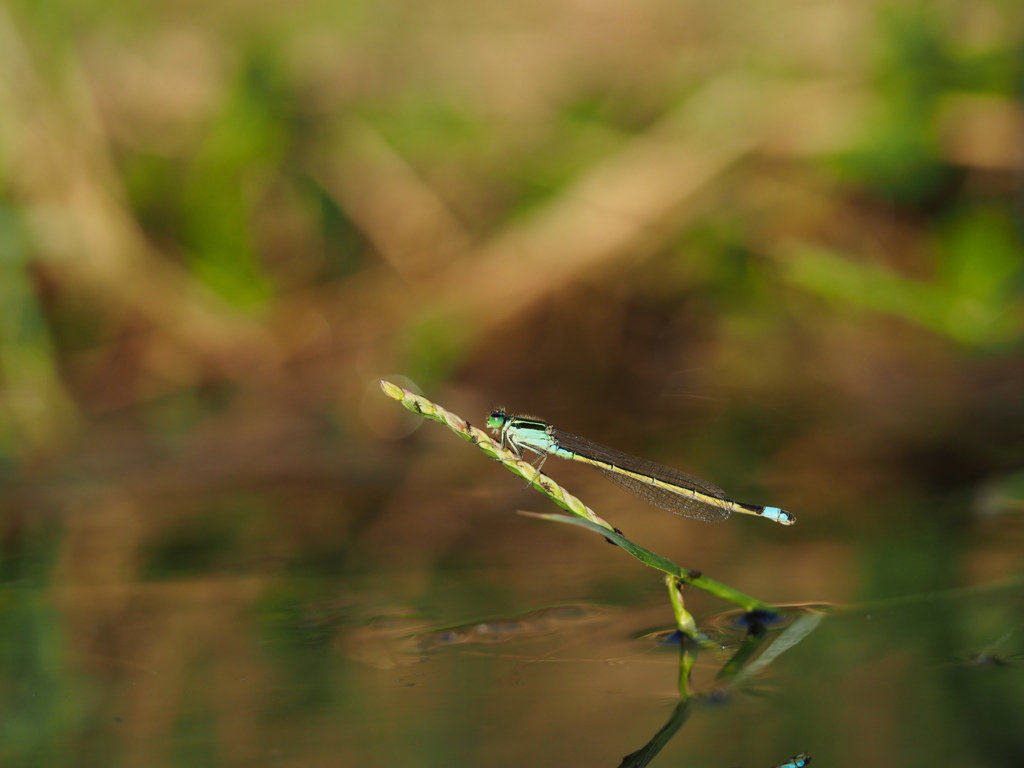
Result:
x=778 y=246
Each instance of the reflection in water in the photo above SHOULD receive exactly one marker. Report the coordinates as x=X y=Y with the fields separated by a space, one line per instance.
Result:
x=746 y=646
x=988 y=660
x=728 y=623
x=650 y=750
x=989 y=656
x=735 y=671
x=402 y=641
x=543 y=622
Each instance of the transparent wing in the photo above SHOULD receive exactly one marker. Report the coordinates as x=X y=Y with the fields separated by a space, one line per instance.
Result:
x=678 y=498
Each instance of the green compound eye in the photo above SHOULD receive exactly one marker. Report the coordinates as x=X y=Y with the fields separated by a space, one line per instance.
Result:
x=497 y=419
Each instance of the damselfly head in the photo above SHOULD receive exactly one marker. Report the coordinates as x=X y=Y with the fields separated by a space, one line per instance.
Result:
x=497 y=419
